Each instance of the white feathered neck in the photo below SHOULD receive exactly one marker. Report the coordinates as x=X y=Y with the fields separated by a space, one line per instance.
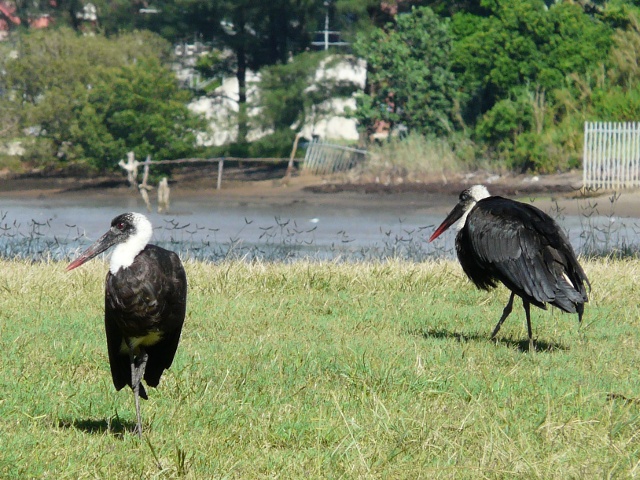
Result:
x=124 y=253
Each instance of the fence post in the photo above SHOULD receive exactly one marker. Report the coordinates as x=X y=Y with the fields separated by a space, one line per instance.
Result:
x=586 y=164
x=220 y=166
x=144 y=187
x=163 y=195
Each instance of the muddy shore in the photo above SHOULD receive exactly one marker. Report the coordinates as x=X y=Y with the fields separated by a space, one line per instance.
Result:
x=271 y=187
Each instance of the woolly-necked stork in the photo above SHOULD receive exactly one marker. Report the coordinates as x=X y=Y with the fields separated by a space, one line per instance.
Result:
x=502 y=240
x=145 y=303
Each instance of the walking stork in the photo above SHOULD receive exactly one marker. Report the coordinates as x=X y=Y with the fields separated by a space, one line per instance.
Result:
x=502 y=240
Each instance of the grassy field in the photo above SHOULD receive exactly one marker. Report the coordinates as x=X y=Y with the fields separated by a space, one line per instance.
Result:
x=324 y=371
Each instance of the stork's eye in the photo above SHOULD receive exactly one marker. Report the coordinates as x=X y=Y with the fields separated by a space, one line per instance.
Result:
x=120 y=226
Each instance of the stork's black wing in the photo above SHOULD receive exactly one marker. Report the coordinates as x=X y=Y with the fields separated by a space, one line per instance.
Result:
x=173 y=311
x=118 y=359
x=146 y=299
x=524 y=248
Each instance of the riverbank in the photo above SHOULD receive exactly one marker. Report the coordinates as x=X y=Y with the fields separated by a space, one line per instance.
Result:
x=269 y=186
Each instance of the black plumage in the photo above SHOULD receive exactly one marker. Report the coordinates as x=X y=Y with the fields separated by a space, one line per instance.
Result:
x=145 y=300
x=520 y=246
x=145 y=304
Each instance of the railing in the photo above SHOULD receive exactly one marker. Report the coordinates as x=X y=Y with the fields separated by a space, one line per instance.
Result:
x=323 y=158
x=131 y=167
x=611 y=157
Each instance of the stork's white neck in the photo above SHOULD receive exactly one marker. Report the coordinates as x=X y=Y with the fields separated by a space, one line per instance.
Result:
x=124 y=253
x=462 y=220
x=477 y=193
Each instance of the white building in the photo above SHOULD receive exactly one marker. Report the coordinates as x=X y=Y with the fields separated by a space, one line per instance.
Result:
x=328 y=121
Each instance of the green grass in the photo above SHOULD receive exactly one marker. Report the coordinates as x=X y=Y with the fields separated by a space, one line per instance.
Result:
x=324 y=371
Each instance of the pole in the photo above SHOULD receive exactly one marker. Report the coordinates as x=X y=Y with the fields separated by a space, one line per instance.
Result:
x=326 y=27
x=220 y=165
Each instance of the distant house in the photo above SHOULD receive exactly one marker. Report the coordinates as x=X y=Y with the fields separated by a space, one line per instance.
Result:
x=88 y=17
x=9 y=19
x=328 y=120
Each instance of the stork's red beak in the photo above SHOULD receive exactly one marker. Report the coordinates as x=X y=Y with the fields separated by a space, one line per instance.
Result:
x=452 y=218
x=97 y=248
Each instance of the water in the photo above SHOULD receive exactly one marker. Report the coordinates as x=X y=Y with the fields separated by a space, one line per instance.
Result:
x=58 y=228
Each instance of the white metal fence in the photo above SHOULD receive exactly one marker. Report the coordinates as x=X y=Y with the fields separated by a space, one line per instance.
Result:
x=322 y=158
x=611 y=158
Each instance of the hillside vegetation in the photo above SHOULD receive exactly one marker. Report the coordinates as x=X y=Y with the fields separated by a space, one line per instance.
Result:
x=504 y=85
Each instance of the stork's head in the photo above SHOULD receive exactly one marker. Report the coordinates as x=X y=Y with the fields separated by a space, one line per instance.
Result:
x=467 y=200
x=130 y=232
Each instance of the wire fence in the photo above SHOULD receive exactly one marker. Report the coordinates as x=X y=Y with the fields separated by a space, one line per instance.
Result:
x=323 y=158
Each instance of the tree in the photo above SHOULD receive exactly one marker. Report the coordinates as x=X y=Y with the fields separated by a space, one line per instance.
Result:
x=256 y=33
x=63 y=89
x=360 y=16
x=522 y=43
x=136 y=107
x=409 y=75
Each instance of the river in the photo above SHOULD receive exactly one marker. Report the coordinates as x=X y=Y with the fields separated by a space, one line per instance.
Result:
x=58 y=227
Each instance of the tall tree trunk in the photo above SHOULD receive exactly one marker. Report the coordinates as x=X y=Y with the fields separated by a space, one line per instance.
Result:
x=241 y=75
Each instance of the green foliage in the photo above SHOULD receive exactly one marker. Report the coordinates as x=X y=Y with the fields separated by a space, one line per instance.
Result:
x=276 y=145
x=287 y=92
x=361 y=16
x=522 y=42
x=411 y=83
x=502 y=124
x=617 y=104
x=256 y=34
x=469 y=69
x=140 y=109
x=216 y=64
x=518 y=45
x=92 y=99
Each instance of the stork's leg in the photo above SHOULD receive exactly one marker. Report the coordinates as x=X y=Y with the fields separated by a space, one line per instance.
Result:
x=580 y=310
x=527 y=308
x=140 y=373
x=505 y=314
x=137 y=372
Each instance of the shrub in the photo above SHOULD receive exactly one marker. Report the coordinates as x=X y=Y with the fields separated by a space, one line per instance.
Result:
x=416 y=156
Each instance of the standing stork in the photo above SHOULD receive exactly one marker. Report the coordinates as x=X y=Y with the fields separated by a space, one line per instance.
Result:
x=145 y=303
x=501 y=240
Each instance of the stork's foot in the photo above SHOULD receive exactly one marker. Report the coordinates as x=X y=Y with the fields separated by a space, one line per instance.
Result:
x=138 y=431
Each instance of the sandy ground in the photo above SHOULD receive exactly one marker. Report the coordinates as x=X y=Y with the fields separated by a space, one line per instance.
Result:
x=269 y=186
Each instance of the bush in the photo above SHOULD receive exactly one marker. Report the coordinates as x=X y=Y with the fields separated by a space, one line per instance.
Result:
x=417 y=157
x=275 y=145
x=500 y=125
x=617 y=104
